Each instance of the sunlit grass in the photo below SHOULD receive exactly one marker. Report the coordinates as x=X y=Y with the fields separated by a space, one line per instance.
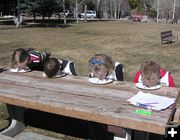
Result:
x=128 y=42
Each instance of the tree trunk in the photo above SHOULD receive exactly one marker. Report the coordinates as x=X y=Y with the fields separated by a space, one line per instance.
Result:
x=119 y=9
x=85 y=13
x=18 y=15
x=174 y=9
x=157 y=18
x=64 y=10
x=106 y=10
x=34 y=17
x=115 y=9
x=111 y=8
x=76 y=12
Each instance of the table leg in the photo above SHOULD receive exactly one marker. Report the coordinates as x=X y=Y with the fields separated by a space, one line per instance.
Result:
x=120 y=133
x=140 y=135
x=17 y=120
x=127 y=135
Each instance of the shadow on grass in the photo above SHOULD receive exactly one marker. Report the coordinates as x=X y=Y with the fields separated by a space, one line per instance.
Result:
x=53 y=23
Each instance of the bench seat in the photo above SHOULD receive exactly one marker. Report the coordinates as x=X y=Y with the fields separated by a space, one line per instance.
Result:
x=34 y=136
x=76 y=98
x=167 y=37
x=4 y=137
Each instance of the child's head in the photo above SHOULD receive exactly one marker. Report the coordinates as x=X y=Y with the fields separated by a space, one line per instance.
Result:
x=20 y=58
x=150 y=72
x=51 y=67
x=101 y=65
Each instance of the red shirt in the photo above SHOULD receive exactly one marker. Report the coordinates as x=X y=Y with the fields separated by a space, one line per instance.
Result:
x=169 y=82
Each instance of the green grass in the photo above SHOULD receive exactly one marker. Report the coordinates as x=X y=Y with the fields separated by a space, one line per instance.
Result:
x=128 y=42
x=3 y=116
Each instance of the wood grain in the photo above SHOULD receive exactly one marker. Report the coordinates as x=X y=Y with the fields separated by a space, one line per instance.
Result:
x=76 y=97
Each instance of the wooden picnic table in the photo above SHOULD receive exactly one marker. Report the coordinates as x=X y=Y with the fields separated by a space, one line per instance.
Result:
x=74 y=96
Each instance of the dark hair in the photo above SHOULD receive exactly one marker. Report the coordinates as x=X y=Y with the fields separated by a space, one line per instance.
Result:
x=20 y=55
x=51 y=67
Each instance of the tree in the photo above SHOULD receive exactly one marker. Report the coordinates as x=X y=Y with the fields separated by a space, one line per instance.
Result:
x=77 y=5
x=174 y=8
x=42 y=7
x=8 y=7
x=31 y=7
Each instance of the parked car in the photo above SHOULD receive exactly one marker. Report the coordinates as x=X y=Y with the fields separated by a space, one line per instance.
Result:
x=89 y=14
x=8 y=16
x=68 y=14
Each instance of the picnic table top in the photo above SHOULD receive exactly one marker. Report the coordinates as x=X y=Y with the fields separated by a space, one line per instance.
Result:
x=74 y=96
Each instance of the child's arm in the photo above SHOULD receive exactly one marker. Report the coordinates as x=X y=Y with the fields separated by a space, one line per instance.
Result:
x=72 y=69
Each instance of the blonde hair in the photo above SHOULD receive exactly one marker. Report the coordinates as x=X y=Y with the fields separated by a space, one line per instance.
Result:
x=101 y=62
x=150 y=72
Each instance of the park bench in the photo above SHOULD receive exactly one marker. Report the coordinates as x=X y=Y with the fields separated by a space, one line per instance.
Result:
x=75 y=97
x=167 y=37
x=4 y=137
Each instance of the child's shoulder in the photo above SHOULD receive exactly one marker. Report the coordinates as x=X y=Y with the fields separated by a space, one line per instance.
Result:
x=163 y=71
x=34 y=51
x=118 y=64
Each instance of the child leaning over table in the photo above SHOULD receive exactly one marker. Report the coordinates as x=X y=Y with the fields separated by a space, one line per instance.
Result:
x=56 y=68
x=28 y=59
x=151 y=74
x=102 y=66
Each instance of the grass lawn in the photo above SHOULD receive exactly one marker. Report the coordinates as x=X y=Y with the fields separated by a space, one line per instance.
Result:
x=130 y=43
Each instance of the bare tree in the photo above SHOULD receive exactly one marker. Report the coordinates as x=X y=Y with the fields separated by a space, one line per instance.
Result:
x=64 y=11
x=77 y=4
x=174 y=8
x=85 y=11
x=115 y=9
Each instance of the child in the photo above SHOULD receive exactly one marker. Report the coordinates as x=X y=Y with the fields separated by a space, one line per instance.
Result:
x=102 y=66
x=151 y=74
x=28 y=59
x=54 y=67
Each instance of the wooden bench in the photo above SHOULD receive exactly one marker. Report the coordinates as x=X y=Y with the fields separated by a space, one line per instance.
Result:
x=28 y=136
x=167 y=37
x=76 y=98
x=4 y=137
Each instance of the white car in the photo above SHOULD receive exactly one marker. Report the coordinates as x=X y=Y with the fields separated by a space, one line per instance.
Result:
x=8 y=16
x=144 y=19
x=89 y=14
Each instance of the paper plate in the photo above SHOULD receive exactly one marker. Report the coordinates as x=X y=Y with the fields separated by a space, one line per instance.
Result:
x=141 y=86
x=60 y=75
x=99 y=82
x=19 y=71
x=57 y=76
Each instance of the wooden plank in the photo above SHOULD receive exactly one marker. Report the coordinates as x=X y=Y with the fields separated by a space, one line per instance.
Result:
x=168 y=37
x=176 y=119
x=166 y=32
x=76 y=80
x=178 y=101
x=34 y=136
x=3 y=137
x=76 y=97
